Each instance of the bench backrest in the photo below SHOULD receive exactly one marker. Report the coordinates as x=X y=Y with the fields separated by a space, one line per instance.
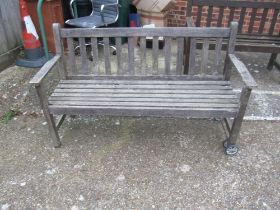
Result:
x=133 y=58
x=252 y=17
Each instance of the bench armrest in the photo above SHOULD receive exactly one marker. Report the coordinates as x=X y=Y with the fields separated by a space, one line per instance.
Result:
x=43 y=72
x=243 y=71
x=190 y=22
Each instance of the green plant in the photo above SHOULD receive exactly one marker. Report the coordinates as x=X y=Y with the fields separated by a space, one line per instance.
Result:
x=9 y=115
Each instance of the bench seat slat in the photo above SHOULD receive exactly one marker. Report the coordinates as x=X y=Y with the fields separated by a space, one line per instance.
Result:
x=145 y=98
x=142 y=99
x=145 y=95
x=147 y=82
x=144 y=111
x=161 y=87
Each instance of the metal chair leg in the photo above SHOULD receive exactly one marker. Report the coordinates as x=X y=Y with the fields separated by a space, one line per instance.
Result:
x=271 y=61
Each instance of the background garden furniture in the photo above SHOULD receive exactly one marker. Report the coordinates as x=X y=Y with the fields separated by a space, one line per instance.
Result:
x=262 y=37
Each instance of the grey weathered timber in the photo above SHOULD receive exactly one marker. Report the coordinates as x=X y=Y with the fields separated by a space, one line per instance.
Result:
x=49 y=117
x=83 y=52
x=259 y=37
x=143 y=45
x=155 y=54
x=95 y=58
x=107 y=55
x=180 y=55
x=138 y=92
x=71 y=54
x=59 y=50
x=119 y=55
x=167 y=55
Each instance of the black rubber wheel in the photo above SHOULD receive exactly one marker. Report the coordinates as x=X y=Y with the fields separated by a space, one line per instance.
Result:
x=231 y=150
x=114 y=52
x=225 y=143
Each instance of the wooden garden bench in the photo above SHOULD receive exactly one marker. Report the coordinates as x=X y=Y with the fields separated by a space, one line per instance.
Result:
x=138 y=90
x=261 y=37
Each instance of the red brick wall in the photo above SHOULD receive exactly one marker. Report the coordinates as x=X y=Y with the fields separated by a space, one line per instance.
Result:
x=177 y=16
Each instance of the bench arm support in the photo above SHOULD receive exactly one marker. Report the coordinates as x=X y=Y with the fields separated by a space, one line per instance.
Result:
x=243 y=71
x=190 y=22
x=43 y=72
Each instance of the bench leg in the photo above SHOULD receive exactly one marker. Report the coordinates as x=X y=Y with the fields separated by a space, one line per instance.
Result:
x=271 y=61
x=49 y=118
x=230 y=144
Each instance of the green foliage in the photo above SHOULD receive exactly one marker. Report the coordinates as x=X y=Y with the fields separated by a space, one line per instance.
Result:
x=9 y=115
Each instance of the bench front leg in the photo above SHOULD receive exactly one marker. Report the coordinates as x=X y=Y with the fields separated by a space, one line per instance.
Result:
x=234 y=132
x=53 y=129
x=271 y=61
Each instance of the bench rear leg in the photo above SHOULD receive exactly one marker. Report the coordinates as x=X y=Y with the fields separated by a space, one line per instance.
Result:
x=271 y=61
x=49 y=118
x=230 y=143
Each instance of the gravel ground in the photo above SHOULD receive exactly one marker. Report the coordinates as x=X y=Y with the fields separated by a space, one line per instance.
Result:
x=139 y=163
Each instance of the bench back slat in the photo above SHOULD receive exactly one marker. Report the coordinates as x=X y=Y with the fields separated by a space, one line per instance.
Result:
x=165 y=57
x=263 y=20
x=241 y=19
x=72 y=60
x=107 y=55
x=155 y=54
x=94 y=47
x=273 y=21
x=252 y=20
x=192 y=56
x=131 y=69
x=180 y=53
x=119 y=55
x=204 y=57
x=143 y=45
x=220 y=17
x=84 y=58
x=237 y=11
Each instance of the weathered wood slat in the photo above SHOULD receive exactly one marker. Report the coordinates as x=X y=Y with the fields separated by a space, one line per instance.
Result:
x=141 y=99
x=180 y=55
x=236 y=4
x=229 y=92
x=146 y=95
x=167 y=55
x=72 y=59
x=231 y=15
x=204 y=59
x=221 y=15
x=119 y=55
x=83 y=52
x=209 y=16
x=144 y=111
x=198 y=16
x=142 y=54
x=144 y=104
x=146 y=77
x=146 y=82
x=192 y=56
x=155 y=54
x=131 y=69
x=273 y=21
x=252 y=20
x=263 y=20
x=218 y=49
x=146 y=32
x=241 y=19
x=141 y=86
x=107 y=55
x=95 y=58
